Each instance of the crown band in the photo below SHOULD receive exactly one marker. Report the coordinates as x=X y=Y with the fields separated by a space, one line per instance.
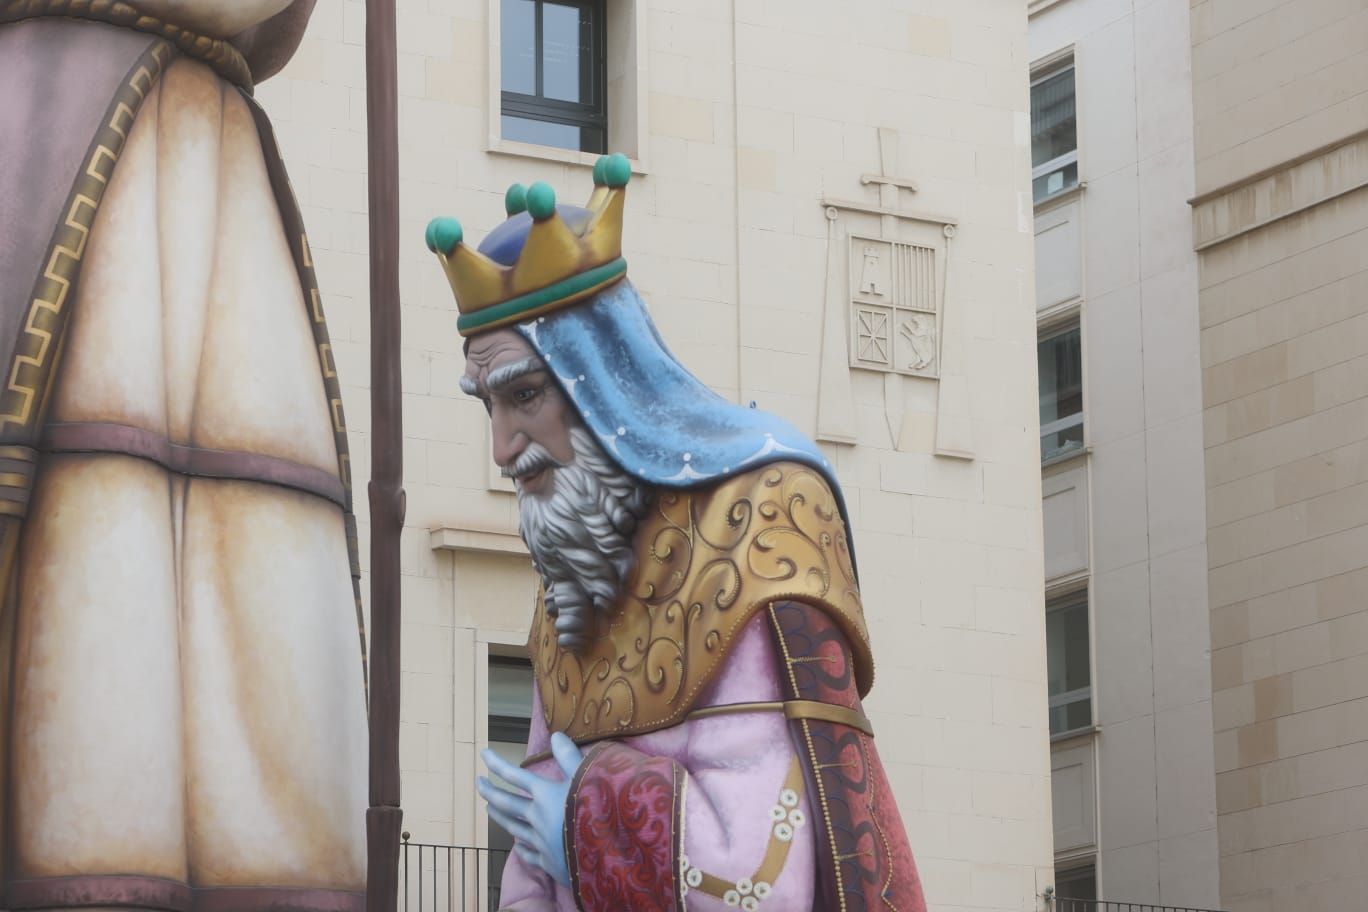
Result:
x=566 y=291
x=543 y=258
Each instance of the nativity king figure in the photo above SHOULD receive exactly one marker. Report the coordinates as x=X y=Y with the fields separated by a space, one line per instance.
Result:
x=698 y=644
x=182 y=697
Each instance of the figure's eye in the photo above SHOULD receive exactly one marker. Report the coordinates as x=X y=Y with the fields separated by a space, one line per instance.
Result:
x=525 y=394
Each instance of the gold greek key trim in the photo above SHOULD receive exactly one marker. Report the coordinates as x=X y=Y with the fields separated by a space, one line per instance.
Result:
x=37 y=348
x=22 y=453
x=220 y=55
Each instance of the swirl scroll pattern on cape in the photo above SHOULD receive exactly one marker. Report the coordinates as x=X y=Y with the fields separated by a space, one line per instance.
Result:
x=706 y=562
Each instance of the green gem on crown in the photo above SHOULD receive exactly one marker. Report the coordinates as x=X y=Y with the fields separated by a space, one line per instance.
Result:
x=617 y=169
x=541 y=201
x=515 y=200
x=443 y=234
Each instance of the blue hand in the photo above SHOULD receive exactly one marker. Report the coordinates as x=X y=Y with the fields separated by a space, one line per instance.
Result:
x=536 y=820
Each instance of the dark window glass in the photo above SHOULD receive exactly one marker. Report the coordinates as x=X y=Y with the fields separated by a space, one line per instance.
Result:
x=1054 y=120
x=541 y=132
x=510 y=722
x=554 y=73
x=518 y=34
x=566 y=43
x=1069 y=671
x=1076 y=890
x=1060 y=362
x=1054 y=134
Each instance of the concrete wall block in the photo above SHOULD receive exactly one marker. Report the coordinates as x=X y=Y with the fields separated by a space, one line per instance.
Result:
x=1123 y=640
x=1187 y=802
x=1123 y=539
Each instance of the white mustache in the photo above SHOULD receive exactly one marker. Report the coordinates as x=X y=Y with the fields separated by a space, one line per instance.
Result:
x=530 y=461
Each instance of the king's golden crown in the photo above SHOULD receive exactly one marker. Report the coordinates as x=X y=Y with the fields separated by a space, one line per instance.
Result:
x=565 y=258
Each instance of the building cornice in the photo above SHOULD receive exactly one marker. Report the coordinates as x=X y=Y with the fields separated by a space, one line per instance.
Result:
x=1280 y=191
x=476 y=541
x=1039 y=6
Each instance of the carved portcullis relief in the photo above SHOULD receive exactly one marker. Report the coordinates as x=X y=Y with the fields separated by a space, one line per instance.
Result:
x=894 y=306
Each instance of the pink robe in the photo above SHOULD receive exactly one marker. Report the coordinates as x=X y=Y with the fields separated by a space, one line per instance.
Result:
x=731 y=770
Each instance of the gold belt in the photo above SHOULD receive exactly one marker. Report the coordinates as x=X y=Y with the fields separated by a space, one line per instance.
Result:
x=792 y=709
x=225 y=59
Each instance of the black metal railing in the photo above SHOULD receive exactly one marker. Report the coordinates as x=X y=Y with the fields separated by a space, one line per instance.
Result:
x=445 y=878
x=1064 y=904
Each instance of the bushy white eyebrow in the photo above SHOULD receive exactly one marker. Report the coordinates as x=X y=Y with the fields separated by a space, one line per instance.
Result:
x=503 y=376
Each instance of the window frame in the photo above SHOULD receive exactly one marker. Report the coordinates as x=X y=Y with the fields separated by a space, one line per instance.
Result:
x=593 y=69
x=1043 y=70
x=1072 y=871
x=1064 y=323
x=1060 y=600
x=500 y=723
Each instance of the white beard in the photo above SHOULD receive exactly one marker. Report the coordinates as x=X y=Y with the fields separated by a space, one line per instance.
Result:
x=581 y=535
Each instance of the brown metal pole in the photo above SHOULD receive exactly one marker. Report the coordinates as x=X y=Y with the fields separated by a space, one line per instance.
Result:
x=384 y=817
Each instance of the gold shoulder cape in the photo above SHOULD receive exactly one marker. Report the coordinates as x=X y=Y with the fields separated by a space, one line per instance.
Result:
x=707 y=560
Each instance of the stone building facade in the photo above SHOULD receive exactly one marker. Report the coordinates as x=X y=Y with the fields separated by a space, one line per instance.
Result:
x=1125 y=529
x=829 y=219
x=1210 y=223
x=1280 y=223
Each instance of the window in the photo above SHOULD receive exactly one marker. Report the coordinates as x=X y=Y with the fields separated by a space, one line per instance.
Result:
x=510 y=722
x=1059 y=355
x=553 y=73
x=1054 y=132
x=1068 y=663
x=1076 y=889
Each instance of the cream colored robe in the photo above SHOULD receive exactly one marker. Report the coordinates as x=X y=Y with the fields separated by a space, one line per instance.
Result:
x=187 y=694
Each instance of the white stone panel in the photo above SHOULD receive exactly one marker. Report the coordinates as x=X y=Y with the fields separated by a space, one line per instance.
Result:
x=1073 y=786
x=1064 y=496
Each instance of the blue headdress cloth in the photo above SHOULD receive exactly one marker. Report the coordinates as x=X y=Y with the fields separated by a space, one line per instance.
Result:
x=656 y=420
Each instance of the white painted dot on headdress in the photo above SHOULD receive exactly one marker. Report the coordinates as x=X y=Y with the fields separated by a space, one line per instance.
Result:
x=726 y=468
x=541 y=319
x=587 y=413
x=768 y=434
x=688 y=457
x=581 y=378
x=622 y=432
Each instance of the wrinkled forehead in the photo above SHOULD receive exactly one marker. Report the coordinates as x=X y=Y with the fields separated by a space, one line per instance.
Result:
x=489 y=351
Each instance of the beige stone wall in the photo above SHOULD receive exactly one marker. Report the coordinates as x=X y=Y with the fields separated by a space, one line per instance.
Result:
x=1284 y=357
x=1272 y=80
x=1284 y=307
x=748 y=116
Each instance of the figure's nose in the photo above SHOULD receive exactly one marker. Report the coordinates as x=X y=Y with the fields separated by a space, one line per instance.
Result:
x=508 y=441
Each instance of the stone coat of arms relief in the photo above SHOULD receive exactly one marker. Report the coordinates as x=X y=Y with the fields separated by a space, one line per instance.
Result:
x=888 y=270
